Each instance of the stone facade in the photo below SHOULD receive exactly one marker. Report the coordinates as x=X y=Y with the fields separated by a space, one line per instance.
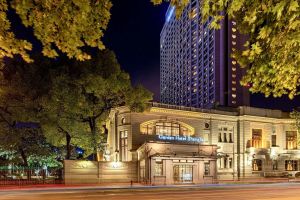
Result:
x=251 y=142
x=89 y=172
x=169 y=163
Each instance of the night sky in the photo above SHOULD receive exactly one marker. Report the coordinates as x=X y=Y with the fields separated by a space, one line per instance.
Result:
x=134 y=35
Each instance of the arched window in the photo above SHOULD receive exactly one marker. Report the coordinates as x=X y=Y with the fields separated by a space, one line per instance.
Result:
x=165 y=127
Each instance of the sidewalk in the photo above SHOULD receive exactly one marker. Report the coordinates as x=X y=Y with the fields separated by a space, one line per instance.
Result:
x=63 y=186
x=136 y=187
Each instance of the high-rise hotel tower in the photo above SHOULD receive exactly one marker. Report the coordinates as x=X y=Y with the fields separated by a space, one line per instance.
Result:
x=196 y=67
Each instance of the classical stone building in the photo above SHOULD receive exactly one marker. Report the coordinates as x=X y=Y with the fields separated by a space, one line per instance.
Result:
x=175 y=144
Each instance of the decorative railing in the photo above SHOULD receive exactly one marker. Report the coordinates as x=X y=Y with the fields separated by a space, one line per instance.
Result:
x=30 y=176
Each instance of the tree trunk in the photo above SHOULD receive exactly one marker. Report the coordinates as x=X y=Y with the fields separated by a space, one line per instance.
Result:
x=68 y=145
x=25 y=163
x=68 y=142
x=24 y=157
x=92 y=124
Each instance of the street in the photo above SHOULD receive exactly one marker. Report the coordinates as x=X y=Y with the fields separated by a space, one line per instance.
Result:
x=213 y=192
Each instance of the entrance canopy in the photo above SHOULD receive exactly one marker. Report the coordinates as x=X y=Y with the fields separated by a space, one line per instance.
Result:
x=151 y=149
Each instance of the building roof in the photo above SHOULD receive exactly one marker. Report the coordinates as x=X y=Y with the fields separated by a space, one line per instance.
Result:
x=222 y=110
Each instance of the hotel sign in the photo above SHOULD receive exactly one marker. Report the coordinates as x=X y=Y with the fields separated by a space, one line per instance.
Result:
x=181 y=138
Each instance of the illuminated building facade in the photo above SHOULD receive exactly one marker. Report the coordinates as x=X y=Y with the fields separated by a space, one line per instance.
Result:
x=196 y=68
x=176 y=144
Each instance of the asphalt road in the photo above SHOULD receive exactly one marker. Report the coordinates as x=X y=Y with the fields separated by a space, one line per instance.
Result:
x=244 y=192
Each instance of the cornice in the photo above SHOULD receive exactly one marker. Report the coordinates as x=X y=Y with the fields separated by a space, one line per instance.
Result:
x=198 y=115
x=208 y=116
x=265 y=119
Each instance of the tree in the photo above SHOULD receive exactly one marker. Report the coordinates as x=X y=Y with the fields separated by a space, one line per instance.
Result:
x=66 y=25
x=24 y=142
x=295 y=115
x=27 y=95
x=92 y=88
x=271 y=56
x=68 y=98
x=59 y=119
x=20 y=133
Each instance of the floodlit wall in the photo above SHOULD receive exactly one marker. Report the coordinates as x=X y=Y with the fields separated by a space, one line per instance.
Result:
x=89 y=172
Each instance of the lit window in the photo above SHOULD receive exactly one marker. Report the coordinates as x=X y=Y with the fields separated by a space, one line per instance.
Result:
x=256 y=141
x=233 y=29
x=158 y=168
x=233 y=62
x=233 y=89
x=233 y=95
x=291 y=165
x=233 y=36
x=226 y=132
x=257 y=165
x=206 y=169
x=291 y=139
x=124 y=145
x=167 y=128
x=233 y=43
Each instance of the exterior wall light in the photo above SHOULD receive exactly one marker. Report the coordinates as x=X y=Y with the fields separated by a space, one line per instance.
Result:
x=116 y=165
x=273 y=154
x=251 y=155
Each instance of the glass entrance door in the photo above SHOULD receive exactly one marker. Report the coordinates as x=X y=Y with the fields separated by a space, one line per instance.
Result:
x=183 y=173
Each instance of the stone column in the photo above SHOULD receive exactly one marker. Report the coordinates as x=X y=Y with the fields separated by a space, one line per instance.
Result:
x=196 y=178
x=152 y=170
x=200 y=171
x=169 y=172
x=213 y=168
